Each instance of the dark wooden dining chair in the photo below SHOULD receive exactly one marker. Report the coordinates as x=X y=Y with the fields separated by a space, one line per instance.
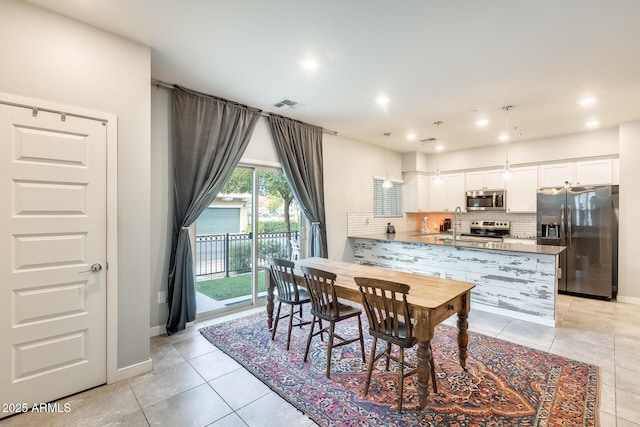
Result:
x=387 y=309
x=288 y=293
x=326 y=306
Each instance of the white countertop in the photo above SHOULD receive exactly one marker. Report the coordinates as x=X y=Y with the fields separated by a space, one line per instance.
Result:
x=443 y=239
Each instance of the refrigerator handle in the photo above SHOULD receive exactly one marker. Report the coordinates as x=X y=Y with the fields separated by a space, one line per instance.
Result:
x=563 y=235
x=569 y=220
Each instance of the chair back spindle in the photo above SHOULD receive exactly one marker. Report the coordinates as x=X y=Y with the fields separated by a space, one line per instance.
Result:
x=387 y=309
x=320 y=285
x=282 y=271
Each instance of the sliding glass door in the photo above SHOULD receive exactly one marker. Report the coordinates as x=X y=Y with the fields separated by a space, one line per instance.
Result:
x=252 y=219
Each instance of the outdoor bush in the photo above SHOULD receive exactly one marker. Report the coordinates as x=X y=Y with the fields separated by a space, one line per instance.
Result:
x=276 y=226
x=240 y=254
x=240 y=257
x=272 y=249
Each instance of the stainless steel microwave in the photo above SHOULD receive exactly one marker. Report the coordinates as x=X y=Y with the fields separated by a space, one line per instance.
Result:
x=486 y=200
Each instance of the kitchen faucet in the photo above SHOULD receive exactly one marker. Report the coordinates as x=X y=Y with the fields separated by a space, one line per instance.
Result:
x=457 y=222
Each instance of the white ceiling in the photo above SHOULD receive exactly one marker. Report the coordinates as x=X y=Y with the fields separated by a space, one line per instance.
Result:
x=452 y=61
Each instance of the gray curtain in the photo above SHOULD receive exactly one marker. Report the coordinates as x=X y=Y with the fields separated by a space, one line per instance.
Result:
x=209 y=137
x=299 y=149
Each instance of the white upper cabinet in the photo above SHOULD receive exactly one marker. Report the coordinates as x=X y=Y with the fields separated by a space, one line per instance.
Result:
x=555 y=175
x=521 y=189
x=417 y=192
x=594 y=172
x=455 y=192
x=484 y=180
x=448 y=194
x=587 y=172
x=495 y=180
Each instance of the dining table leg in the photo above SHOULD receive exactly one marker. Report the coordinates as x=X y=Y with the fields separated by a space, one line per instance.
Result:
x=424 y=357
x=463 y=336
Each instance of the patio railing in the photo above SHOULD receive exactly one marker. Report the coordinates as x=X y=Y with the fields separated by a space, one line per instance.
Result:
x=230 y=253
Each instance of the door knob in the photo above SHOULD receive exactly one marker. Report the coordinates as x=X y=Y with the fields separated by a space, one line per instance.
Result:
x=93 y=269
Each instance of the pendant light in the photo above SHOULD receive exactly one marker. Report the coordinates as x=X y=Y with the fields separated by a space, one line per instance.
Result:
x=387 y=182
x=506 y=171
x=437 y=180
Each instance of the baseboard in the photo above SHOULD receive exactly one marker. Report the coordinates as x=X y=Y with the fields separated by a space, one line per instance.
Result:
x=154 y=331
x=629 y=300
x=133 y=370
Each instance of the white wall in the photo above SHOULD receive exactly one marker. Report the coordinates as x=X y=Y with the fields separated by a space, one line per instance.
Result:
x=629 y=250
x=161 y=205
x=48 y=57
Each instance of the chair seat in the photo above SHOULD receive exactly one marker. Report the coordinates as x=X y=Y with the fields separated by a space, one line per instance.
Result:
x=345 y=311
x=400 y=340
x=303 y=298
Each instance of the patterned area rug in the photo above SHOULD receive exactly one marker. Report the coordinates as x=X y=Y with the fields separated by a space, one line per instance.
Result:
x=505 y=384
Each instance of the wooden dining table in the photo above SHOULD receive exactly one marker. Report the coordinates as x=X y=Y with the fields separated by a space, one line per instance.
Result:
x=431 y=301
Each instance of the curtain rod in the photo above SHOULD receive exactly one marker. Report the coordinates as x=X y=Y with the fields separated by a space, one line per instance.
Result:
x=171 y=86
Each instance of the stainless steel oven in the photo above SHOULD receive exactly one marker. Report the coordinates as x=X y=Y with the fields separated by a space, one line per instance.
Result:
x=486 y=200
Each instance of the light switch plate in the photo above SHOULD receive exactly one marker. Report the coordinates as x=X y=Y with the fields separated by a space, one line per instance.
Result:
x=162 y=297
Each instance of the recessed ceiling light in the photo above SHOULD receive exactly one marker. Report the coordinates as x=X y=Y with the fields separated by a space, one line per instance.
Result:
x=592 y=123
x=309 y=64
x=411 y=136
x=482 y=122
x=439 y=147
x=587 y=101
x=382 y=99
x=503 y=137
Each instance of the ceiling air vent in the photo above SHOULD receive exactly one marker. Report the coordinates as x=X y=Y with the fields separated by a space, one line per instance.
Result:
x=287 y=104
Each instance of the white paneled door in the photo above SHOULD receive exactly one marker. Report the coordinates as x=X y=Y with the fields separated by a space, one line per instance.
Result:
x=52 y=256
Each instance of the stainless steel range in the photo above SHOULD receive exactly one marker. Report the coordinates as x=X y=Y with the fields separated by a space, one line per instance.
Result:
x=488 y=231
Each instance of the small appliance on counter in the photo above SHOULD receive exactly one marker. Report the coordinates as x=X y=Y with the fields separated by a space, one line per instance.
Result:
x=390 y=229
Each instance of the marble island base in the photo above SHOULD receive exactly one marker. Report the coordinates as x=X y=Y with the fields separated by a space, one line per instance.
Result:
x=521 y=285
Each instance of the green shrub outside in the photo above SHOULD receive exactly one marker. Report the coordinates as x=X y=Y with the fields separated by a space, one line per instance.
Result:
x=276 y=227
x=240 y=254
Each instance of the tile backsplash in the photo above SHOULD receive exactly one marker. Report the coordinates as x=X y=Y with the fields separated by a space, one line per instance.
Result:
x=366 y=223
x=522 y=224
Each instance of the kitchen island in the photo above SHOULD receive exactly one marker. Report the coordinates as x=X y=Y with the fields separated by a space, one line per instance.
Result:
x=515 y=280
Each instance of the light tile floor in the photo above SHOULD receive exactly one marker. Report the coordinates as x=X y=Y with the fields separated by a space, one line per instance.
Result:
x=194 y=384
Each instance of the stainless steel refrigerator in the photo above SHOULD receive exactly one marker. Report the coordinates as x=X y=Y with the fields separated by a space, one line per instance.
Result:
x=585 y=221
